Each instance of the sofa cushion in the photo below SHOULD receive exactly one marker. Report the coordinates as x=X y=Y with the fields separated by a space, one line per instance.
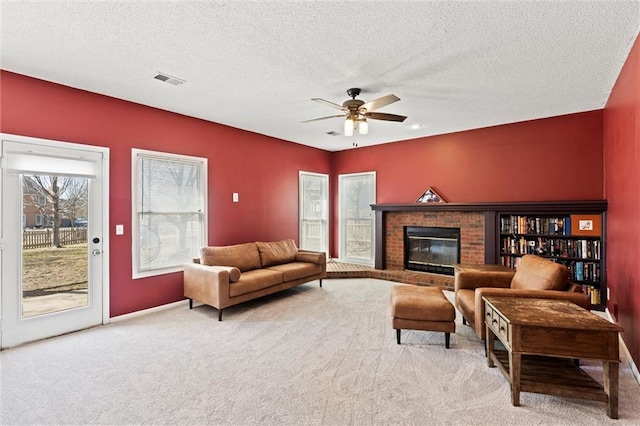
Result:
x=243 y=256
x=465 y=300
x=255 y=280
x=277 y=252
x=537 y=273
x=296 y=270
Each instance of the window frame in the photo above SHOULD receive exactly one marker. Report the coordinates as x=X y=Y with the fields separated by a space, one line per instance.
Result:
x=342 y=232
x=135 y=226
x=327 y=213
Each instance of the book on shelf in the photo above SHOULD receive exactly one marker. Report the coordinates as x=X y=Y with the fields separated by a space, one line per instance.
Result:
x=566 y=226
x=579 y=271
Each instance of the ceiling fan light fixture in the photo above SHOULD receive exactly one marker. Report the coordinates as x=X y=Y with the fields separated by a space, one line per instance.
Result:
x=348 y=127
x=355 y=112
x=363 y=126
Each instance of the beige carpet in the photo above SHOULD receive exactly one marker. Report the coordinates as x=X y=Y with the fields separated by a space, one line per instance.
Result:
x=309 y=356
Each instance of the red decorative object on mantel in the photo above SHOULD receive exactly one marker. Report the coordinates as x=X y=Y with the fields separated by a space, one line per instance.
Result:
x=430 y=196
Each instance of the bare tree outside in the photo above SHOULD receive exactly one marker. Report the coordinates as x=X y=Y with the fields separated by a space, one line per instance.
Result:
x=54 y=259
x=65 y=198
x=357 y=193
x=169 y=211
x=354 y=194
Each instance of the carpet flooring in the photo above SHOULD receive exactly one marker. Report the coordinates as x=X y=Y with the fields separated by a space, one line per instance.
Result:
x=306 y=356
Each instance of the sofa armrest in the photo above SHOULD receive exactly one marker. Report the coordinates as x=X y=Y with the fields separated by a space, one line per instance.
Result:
x=207 y=284
x=471 y=280
x=579 y=299
x=317 y=257
x=311 y=257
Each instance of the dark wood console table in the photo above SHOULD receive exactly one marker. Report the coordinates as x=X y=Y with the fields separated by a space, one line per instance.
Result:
x=542 y=338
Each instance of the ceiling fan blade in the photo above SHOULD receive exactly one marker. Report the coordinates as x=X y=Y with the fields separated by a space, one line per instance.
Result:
x=384 y=116
x=322 y=118
x=329 y=103
x=380 y=102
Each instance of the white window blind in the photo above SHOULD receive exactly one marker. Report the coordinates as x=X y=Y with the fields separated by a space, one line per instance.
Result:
x=169 y=211
x=314 y=211
x=21 y=159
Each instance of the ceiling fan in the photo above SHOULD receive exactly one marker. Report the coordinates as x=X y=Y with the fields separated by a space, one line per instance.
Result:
x=355 y=112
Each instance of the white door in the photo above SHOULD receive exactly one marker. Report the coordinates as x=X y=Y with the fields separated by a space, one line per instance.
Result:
x=54 y=271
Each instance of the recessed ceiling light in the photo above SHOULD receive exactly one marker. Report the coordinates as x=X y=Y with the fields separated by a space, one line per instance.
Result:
x=416 y=126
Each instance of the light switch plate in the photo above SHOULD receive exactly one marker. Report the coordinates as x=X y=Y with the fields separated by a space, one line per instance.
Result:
x=235 y=197
x=119 y=229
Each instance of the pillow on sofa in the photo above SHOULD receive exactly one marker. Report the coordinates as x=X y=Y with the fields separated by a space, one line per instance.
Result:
x=243 y=256
x=277 y=252
x=234 y=275
x=537 y=273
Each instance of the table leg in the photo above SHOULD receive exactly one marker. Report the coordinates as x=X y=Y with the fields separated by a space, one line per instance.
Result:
x=515 y=360
x=610 y=372
x=490 y=342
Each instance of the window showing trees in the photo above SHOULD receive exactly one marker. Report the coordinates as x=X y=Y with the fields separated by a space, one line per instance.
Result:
x=356 y=194
x=314 y=211
x=169 y=211
x=54 y=202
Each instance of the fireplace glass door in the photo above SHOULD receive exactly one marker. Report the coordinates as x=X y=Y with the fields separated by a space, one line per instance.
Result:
x=433 y=250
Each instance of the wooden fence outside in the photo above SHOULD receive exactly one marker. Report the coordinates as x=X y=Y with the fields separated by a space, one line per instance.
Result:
x=42 y=238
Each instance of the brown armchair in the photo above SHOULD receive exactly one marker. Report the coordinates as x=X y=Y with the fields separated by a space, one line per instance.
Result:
x=536 y=277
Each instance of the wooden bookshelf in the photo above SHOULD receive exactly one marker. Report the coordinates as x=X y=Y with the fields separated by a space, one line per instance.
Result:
x=572 y=239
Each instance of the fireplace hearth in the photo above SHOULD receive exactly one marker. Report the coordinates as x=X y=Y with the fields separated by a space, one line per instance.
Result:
x=431 y=249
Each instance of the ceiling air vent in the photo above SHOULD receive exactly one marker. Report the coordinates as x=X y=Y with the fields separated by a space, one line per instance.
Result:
x=169 y=79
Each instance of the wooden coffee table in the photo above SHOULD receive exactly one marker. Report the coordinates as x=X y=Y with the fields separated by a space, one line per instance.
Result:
x=543 y=339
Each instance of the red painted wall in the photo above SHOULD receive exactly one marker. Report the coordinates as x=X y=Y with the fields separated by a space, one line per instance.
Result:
x=558 y=158
x=622 y=189
x=263 y=170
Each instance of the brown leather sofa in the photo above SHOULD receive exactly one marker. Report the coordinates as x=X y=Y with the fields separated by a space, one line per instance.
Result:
x=536 y=277
x=224 y=276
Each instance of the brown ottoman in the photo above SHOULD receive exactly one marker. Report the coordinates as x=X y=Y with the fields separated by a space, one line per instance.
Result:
x=422 y=308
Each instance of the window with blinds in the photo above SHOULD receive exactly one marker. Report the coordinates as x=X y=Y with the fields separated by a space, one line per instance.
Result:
x=169 y=211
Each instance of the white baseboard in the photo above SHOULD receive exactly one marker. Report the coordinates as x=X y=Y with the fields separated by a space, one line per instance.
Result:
x=625 y=352
x=150 y=310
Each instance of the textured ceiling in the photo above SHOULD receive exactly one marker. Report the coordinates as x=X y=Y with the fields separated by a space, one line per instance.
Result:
x=256 y=65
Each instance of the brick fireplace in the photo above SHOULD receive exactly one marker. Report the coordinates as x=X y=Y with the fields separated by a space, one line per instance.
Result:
x=472 y=241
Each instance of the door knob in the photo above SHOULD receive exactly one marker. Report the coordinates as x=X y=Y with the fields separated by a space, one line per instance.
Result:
x=96 y=252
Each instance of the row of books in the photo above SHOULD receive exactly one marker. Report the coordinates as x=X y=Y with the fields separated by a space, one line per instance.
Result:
x=510 y=261
x=594 y=293
x=583 y=271
x=582 y=248
x=514 y=224
x=578 y=270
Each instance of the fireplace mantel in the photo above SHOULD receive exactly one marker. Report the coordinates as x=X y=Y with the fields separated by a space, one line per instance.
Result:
x=586 y=206
x=490 y=211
